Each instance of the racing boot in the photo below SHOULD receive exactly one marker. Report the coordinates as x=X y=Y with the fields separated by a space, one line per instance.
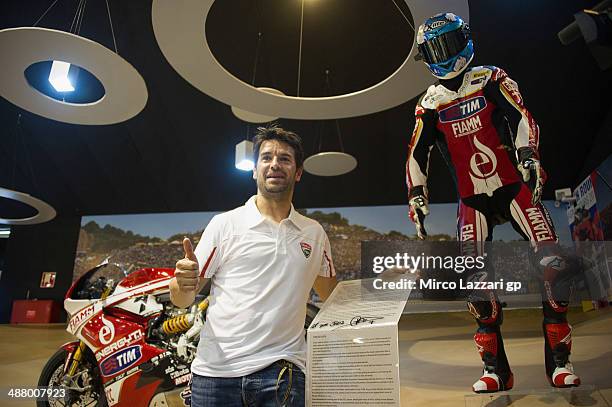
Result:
x=559 y=273
x=557 y=348
x=487 y=310
x=496 y=375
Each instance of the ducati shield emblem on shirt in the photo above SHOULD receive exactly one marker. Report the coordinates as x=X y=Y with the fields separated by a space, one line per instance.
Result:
x=306 y=249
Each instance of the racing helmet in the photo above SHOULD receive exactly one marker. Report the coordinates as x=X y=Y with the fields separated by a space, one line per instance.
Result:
x=445 y=45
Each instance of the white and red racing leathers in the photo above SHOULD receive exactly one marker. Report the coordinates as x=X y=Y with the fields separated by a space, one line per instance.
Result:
x=481 y=130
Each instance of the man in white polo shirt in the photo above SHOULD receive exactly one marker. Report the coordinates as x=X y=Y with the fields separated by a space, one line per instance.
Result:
x=263 y=258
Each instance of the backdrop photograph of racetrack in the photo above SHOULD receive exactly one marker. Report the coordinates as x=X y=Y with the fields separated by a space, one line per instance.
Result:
x=154 y=240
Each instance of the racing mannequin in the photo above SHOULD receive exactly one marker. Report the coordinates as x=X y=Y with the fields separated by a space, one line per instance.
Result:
x=478 y=120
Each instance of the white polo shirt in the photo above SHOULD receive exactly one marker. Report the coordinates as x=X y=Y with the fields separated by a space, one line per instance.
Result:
x=262 y=273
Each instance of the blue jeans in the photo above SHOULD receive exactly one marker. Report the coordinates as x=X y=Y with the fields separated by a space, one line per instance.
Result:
x=280 y=384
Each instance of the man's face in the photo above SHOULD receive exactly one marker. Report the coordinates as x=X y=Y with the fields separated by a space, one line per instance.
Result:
x=276 y=172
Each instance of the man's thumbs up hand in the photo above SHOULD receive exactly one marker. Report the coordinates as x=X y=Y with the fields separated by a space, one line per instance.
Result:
x=188 y=248
x=187 y=269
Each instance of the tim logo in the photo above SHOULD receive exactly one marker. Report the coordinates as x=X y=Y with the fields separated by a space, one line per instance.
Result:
x=121 y=360
x=463 y=110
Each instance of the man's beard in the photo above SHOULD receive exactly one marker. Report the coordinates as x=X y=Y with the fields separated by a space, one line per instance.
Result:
x=276 y=189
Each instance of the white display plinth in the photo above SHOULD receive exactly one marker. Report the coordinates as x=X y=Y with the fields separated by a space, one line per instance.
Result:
x=353 y=347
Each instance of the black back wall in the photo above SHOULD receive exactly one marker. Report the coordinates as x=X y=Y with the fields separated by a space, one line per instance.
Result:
x=182 y=144
x=32 y=250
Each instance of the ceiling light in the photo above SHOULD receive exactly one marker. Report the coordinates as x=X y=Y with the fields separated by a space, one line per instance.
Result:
x=251 y=117
x=125 y=92
x=179 y=28
x=45 y=212
x=58 y=77
x=244 y=156
x=330 y=163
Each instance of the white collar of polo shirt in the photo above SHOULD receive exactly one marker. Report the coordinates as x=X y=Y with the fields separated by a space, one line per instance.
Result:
x=254 y=217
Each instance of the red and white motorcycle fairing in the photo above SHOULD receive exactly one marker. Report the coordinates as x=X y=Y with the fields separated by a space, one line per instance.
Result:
x=138 y=360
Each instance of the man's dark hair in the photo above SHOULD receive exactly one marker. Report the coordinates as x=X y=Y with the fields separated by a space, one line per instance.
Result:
x=277 y=133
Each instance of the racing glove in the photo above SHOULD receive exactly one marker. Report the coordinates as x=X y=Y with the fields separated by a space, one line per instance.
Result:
x=418 y=209
x=533 y=174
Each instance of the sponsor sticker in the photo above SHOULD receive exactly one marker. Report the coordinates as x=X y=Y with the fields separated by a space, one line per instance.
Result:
x=483 y=163
x=512 y=88
x=121 y=360
x=107 y=332
x=179 y=373
x=183 y=379
x=539 y=225
x=463 y=110
x=460 y=63
x=120 y=343
x=437 y=24
x=110 y=397
x=186 y=395
x=80 y=317
x=467 y=126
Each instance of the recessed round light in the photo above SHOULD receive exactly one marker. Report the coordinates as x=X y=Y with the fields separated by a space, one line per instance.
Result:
x=88 y=89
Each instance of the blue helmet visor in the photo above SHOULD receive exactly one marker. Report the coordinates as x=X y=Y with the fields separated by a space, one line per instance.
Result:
x=444 y=47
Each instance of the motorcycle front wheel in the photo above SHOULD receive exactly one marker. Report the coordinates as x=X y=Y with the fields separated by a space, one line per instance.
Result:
x=86 y=376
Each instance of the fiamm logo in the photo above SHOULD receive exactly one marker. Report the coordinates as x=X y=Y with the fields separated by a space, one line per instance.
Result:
x=121 y=360
x=463 y=110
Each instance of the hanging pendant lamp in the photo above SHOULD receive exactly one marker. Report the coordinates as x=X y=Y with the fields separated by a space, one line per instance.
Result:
x=330 y=163
x=125 y=90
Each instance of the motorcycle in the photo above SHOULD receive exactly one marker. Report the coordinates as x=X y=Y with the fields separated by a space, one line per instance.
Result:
x=134 y=346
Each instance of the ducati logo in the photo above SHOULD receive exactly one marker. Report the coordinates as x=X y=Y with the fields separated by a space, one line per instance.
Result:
x=107 y=332
x=306 y=249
